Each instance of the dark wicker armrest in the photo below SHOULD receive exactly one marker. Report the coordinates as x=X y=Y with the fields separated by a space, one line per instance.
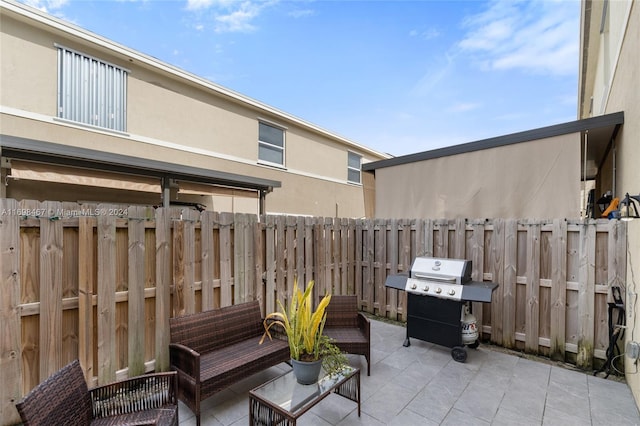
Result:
x=147 y=392
x=185 y=359
x=364 y=324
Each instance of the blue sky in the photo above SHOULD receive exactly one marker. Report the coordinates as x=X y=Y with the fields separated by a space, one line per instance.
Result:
x=397 y=76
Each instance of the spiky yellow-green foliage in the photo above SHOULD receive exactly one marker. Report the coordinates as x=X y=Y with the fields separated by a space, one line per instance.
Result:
x=302 y=324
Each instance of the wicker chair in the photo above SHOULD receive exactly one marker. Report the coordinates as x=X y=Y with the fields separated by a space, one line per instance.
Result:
x=64 y=398
x=349 y=328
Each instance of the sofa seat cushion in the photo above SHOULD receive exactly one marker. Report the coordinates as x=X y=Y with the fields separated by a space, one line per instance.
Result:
x=158 y=416
x=346 y=334
x=224 y=366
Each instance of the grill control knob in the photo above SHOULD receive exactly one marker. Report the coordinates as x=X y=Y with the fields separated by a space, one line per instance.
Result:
x=452 y=292
x=426 y=288
x=413 y=286
x=438 y=290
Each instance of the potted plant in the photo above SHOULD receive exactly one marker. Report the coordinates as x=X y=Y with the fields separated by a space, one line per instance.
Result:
x=308 y=346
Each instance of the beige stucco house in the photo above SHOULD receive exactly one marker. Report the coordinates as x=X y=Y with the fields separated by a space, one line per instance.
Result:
x=610 y=81
x=85 y=119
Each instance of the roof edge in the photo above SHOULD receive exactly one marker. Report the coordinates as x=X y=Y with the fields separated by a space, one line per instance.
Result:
x=615 y=118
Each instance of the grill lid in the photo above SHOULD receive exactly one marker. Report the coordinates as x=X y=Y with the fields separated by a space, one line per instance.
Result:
x=449 y=271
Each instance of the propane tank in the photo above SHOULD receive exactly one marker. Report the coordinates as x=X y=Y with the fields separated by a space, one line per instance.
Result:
x=469 y=327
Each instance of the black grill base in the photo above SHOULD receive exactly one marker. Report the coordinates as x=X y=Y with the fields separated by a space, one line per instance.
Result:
x=436 y=321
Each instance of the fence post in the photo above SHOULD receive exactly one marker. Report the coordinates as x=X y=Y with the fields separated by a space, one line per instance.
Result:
x=10 y=344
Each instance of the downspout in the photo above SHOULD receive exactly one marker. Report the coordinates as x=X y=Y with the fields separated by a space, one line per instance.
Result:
x=263 y=198
x=166 y=191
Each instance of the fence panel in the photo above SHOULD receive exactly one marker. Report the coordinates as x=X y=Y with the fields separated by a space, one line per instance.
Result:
x=100 y=283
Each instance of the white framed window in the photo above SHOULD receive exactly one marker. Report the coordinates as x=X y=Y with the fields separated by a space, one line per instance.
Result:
x=270 y=144
x=354 y=167
x=91 y=91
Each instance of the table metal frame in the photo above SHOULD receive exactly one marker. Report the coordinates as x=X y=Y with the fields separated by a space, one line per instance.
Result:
x=264 y=411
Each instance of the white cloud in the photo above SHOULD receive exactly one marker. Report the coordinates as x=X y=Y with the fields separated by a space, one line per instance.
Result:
x=539 y=36
x=301 y=13
x=428 y=34
x=463 y=107
x=230 y=15
x=46 y=5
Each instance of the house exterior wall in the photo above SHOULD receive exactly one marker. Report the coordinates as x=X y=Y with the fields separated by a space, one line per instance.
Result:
x=612 y=73
x=172 y=116
x=538 y=179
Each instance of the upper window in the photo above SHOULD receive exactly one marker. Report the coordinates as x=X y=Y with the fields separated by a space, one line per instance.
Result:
x=91 y=91
x=354 y=167
x=271 y=144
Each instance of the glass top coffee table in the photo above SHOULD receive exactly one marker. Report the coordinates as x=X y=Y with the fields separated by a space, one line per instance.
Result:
x=282 y=400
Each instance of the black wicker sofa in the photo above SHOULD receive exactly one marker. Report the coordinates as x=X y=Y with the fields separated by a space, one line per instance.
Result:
x=214 y=349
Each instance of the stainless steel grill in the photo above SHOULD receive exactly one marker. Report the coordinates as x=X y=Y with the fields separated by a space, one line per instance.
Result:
x=439 y=292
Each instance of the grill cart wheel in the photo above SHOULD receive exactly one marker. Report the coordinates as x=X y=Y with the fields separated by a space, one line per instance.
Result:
x=474 y=345
x=459 y=353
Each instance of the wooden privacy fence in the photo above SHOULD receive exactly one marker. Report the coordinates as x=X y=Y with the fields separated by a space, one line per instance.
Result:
x=100 y=282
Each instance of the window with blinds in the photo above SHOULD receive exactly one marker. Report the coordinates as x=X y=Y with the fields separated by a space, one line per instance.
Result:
x=91 y=91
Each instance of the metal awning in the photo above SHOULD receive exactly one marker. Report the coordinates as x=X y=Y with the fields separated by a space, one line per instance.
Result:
x=51 y=153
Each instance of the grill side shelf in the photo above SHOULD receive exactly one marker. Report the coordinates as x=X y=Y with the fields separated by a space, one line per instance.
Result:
x=397 y=281
x=476 y=291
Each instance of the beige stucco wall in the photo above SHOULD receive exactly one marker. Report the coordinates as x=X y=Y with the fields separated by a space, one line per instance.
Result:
x=176 y=120
x=625 y=96
x=538 y=179
x=612 y=79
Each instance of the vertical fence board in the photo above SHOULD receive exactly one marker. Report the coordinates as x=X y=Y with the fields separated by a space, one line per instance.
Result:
x=351 y=257
x=368 y=261
x=179 y=266
x=509 y=284
x=258 y=267
x=327 y=284
x=496 y=262
x=380 y=267
x=336 y=287
x=226 y=294
x=10 y=340
x=290 y=252
x=106 y=297
x=86 y=278
x=190 y=217
x=270 y=264
x=240 y=257
x=163 y=287
x=391 y=308
x=404 y=266
x=586 y=296
x=300 y=250
x=309 y=250
x=359 y=276
x=250 y=258
x=558 y=290
x=50 y=291
x=477 y=260
x=207 y=255
x=344 y=256
x=136 y=328
x=532 y=312
x=281 y=273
